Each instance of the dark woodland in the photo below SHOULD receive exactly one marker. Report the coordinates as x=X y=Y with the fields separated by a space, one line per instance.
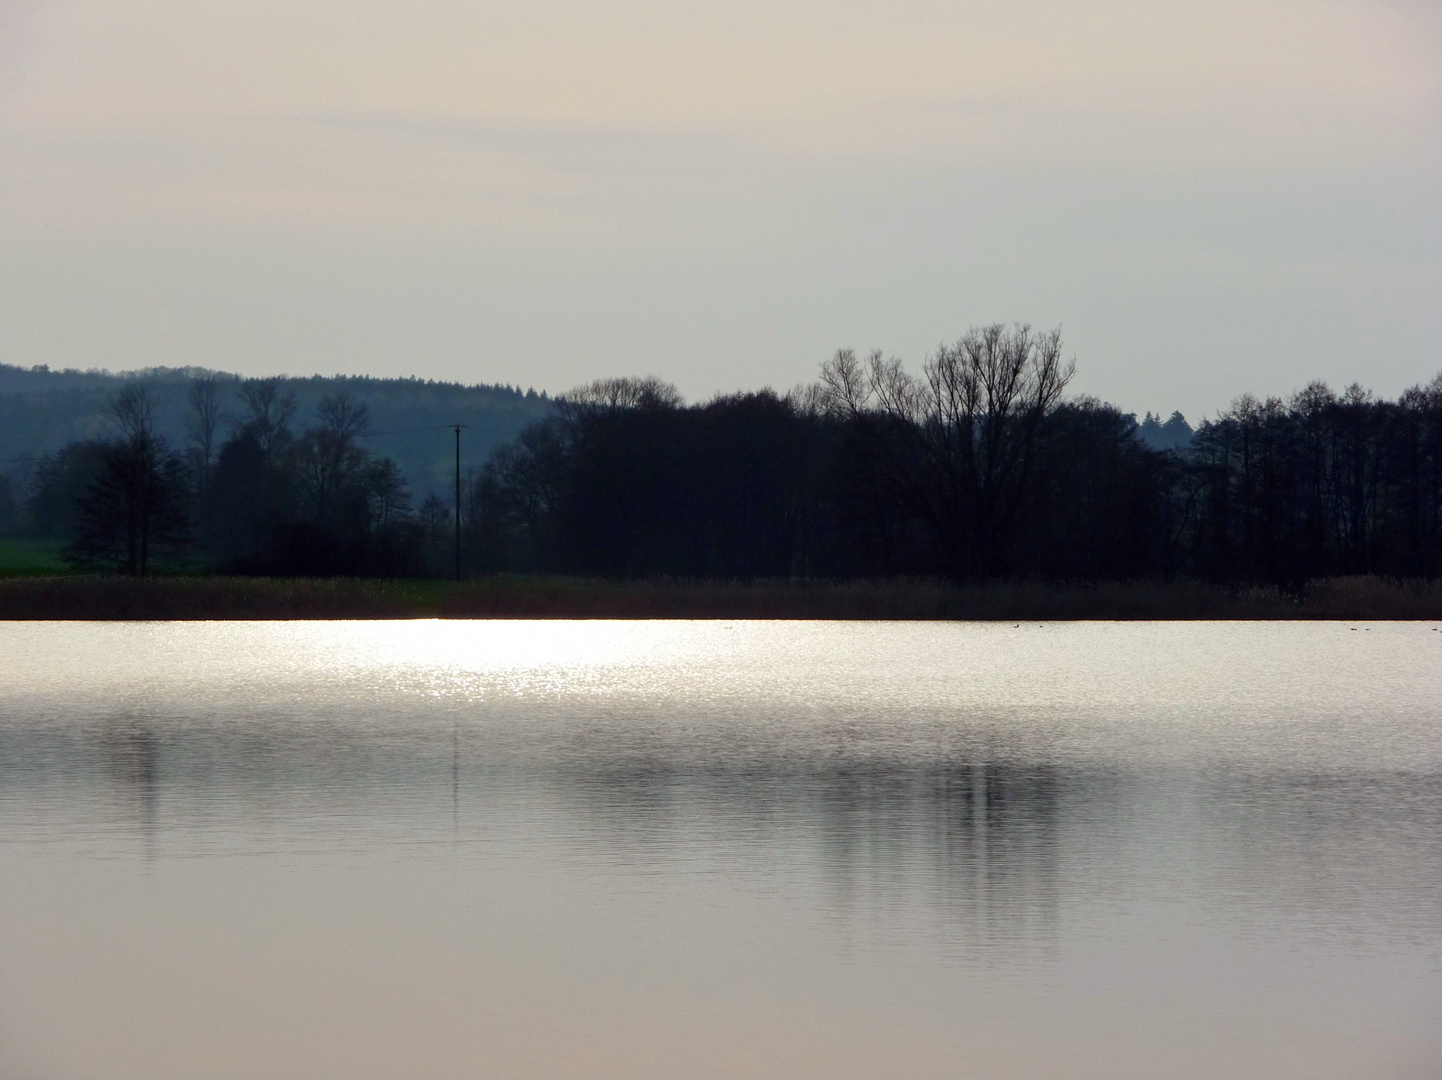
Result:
x=979 y=467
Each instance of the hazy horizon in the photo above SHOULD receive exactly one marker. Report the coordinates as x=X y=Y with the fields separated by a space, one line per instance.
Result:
x=1162 y=413
x=1209 y=199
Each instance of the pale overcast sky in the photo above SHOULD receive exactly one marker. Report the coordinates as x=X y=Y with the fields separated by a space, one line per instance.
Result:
x=1209 y=196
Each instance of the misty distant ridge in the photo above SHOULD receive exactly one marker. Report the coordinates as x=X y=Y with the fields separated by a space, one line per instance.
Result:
x=43 y=409
x=42 y=377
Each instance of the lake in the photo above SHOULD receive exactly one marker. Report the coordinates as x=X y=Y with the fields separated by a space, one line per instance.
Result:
x=706 y=849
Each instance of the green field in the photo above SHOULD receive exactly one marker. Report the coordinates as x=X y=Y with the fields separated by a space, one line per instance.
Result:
x=31 y=558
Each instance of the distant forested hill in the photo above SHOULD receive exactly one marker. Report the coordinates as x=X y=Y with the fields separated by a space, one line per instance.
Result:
x=42 y=410
x=1175 y=434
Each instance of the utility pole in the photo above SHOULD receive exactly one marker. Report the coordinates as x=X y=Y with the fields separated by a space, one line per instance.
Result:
x=458 y=502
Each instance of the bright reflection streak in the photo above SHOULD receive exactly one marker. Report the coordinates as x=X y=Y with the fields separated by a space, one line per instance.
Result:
x=1159 y=686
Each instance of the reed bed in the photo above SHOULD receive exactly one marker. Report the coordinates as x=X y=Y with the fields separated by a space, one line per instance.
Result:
x=541 y=597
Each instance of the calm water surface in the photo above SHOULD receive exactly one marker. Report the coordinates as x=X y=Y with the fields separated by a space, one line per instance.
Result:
x=698 y=849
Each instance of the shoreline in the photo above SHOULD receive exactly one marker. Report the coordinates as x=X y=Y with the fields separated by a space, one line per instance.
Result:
x=93 y=598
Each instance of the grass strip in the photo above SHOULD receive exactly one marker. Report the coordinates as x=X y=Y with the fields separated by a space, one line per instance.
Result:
x=545 y=597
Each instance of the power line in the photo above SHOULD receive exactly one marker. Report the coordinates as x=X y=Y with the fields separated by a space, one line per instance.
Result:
x=406 y=431
x=433 y=427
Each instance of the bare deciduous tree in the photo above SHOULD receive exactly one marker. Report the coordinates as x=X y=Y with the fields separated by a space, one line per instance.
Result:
x=205 y=399
x=647 y=392
x=271 y=410
x=342 y=417
x=388 y=500
x=327 y=458
x=959 y=440
x=132 y=411
x=136 y=504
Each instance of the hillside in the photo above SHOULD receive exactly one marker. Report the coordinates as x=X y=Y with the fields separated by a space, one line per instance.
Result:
x=41 y=410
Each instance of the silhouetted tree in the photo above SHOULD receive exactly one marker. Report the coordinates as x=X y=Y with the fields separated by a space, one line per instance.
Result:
x=960 y=442
x=12 y=508
x=320 y=503
x=1322 y=484
x=247 y=496
x=206 y=406
x=60 y=481
x=1175 y=434
x=327 y=462
x=271 y=408
x=647 y=392
x=135 y=508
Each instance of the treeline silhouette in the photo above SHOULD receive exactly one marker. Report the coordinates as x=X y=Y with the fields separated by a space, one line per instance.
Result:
x=264 y=500
x=978 y=467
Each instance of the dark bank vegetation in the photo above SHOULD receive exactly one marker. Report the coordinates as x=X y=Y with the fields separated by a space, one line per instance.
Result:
x=978 y=468
x=976 y=477
x=116 y=597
